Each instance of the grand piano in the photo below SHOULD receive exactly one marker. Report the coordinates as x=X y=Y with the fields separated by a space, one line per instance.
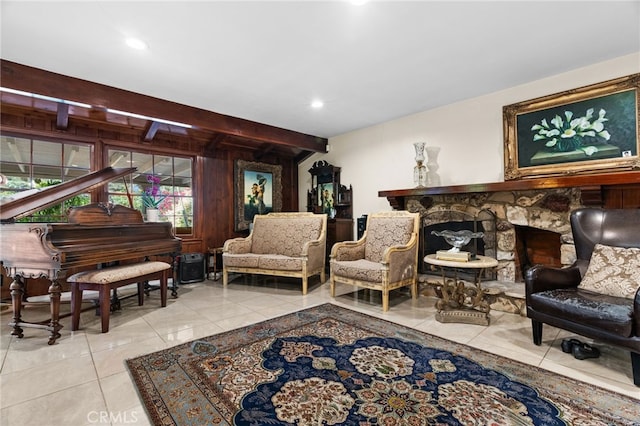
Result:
x=95 y=234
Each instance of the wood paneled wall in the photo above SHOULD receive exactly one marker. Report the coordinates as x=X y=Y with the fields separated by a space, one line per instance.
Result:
x=215 y=142
x=214 y=197
x=213 y=171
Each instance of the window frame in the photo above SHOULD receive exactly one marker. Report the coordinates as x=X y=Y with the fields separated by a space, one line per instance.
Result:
x=55 y=213
x=134 y=187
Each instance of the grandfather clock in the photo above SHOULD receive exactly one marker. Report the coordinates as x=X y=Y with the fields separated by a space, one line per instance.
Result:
x=328 y=196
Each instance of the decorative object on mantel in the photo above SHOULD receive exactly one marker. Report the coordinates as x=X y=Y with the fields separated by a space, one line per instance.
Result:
x=457 y=239
x=433 y=178
x=581 y=131
x=419 y=171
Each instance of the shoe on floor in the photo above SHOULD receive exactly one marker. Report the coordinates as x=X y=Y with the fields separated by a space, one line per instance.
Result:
x=584 y=351
x=568 y=344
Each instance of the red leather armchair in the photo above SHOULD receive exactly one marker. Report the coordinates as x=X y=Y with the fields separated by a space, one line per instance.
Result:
x=553 y=296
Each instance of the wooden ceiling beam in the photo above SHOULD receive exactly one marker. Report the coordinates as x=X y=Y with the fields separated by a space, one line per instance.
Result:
x=151 y=131
x=264 y=150
x=34 y=80
x=212 y=144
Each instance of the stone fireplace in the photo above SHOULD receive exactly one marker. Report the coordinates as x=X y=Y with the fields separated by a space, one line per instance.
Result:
x=521 y=217
x=531 y=220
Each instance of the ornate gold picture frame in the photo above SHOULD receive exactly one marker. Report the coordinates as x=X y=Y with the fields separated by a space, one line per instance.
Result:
x=258 y=188
x=591 y=129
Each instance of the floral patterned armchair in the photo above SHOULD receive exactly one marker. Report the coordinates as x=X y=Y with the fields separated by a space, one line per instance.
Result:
x=384 y=259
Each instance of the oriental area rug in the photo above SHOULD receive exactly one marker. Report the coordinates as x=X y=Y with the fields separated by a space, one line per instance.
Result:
x=328 y=366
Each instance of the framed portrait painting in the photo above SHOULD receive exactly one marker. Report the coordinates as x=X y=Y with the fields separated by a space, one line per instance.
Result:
x=592 y=129
x=258 y=190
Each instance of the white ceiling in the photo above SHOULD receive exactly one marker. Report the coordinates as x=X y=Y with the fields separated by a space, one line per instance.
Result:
x=266 y=61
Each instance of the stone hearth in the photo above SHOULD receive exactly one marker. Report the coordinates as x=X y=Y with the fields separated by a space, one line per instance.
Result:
x=541 y=209
x=546 y=209
x=539 y=204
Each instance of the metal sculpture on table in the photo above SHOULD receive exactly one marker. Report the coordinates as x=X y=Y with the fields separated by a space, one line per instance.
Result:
x=457 y=239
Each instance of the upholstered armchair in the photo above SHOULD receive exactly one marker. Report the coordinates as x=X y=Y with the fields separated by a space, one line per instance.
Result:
x=598 y=296
x=384 y=259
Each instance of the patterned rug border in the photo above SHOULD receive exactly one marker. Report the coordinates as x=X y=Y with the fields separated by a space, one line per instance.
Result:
x=604 y=402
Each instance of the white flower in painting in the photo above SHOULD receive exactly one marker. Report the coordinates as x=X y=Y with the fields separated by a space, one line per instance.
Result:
x=557 y=121
x=581 y=123
x=571 y=130
x=590 y=150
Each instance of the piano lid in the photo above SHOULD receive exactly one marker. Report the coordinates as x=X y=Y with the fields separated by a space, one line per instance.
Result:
x=27 y=202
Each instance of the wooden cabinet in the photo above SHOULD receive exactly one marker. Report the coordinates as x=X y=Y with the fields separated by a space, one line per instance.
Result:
x=328 y=195
x=338 y=229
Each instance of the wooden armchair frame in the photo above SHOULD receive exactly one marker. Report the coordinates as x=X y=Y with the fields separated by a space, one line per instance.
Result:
x=354 y=263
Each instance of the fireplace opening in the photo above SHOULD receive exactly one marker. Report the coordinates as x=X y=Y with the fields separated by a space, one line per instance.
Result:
x=454 y=220
x=535 y=246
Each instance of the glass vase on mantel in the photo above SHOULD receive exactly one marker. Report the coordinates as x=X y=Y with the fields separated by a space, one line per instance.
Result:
x=419 y=171
x=153 y=215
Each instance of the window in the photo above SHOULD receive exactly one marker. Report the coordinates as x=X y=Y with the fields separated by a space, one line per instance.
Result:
x=28 y=164
x=174 y=188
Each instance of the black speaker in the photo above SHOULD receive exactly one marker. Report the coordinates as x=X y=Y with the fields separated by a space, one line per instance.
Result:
x=362 y=225
x=191 y=268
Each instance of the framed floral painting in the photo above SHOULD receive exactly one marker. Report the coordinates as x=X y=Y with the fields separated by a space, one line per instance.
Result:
x=591 y=129
x=258 y=188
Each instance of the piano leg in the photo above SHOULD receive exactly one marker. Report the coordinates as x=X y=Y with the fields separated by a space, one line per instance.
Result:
x=176 y=274
x=17 y=292
x=54 y=325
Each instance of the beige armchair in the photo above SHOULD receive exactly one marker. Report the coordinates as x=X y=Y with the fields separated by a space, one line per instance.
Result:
x=384 y=259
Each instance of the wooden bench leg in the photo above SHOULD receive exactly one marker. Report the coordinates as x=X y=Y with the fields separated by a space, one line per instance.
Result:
x=141 y=287
x=76 y=306
x=163 y=288
x=105 y=306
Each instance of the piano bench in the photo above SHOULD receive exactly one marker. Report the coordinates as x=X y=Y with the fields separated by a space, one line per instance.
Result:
x=106 y=279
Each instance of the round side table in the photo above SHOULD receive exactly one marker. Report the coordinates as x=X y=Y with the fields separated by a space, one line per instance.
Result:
x=460 y=302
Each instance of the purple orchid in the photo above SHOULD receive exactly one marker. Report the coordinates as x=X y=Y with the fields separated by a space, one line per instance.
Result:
x=151 y=197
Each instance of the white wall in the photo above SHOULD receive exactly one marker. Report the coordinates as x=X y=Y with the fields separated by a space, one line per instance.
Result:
x=469 y=134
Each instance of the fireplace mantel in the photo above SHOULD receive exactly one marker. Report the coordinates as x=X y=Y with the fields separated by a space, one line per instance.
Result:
x=591 y=187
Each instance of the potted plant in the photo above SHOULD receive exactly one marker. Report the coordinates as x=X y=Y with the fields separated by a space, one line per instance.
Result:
x=151 y=198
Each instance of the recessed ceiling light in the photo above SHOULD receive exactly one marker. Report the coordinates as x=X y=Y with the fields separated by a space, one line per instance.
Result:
x=136 y=43
x=317 y=104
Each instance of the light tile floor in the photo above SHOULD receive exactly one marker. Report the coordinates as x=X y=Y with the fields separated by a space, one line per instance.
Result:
x=82 y=379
